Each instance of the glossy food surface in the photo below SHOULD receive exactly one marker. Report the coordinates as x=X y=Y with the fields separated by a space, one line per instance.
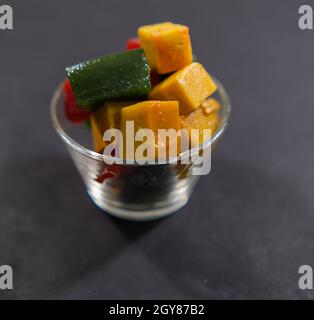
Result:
x=190 y=86
x=124 y=75
x=167 y=46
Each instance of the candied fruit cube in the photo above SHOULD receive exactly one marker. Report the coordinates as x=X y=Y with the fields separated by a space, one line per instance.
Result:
x=189 y=86
x=200 y=120
x=210 y=105
x=151 y=115
x=167 y=46
x=105 y=117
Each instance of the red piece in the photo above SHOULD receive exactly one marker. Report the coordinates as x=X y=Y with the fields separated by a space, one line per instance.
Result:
x=133 y=43
x=111 y=171
x=72 y=110
x=106 y=173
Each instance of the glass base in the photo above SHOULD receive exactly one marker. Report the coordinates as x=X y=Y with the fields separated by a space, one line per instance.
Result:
x=139 y=215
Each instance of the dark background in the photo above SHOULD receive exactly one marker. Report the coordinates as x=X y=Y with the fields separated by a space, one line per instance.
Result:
x=249 y=224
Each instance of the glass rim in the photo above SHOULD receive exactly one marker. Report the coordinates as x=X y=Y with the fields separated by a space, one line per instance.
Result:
x=226 y=107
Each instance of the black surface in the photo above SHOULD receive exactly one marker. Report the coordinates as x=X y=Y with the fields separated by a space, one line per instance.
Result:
x=249 y=224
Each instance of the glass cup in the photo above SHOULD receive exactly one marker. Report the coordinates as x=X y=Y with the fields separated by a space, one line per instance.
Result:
x=133 y=192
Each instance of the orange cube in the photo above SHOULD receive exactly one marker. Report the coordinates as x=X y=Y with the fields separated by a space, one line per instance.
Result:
x=200 y=120
x=210 y=105
x=105 y=117
x=167 y=46
x=151 y=115
x=190 y=86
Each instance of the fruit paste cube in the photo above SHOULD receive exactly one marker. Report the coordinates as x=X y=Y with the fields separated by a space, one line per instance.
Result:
x=189 y=86
x=167 y=46
x=201 y=120
x=210 y=105
x=105 y=117
x=151 y=115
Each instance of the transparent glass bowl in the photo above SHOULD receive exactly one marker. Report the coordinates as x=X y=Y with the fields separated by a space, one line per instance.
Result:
x=133 y=192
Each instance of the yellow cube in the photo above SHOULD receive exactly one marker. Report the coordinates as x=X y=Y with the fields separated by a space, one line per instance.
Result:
x=200 y=120
x=105 y=117
x=210 y=105
x=190 y=86
x=167 y=46
x=151 y=115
